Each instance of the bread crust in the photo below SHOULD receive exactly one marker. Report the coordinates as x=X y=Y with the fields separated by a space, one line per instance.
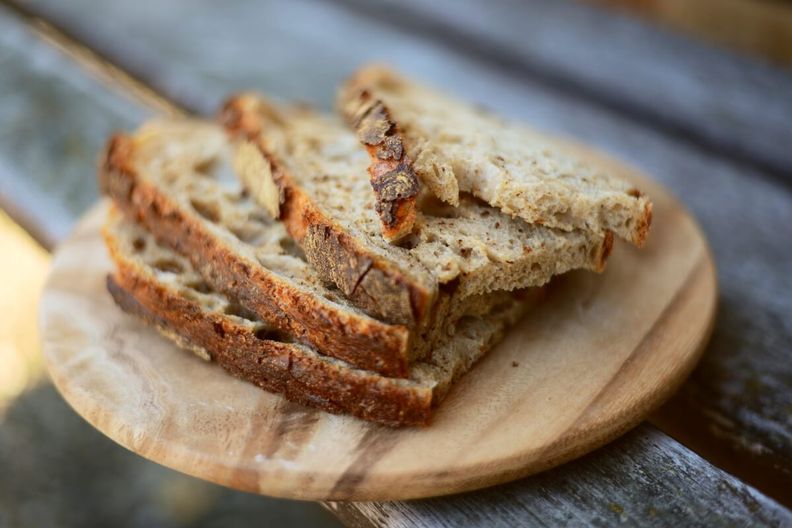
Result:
x=272 y=365
x=370 y=282
x=395 y=184
x=641 y=231
x=358 y=339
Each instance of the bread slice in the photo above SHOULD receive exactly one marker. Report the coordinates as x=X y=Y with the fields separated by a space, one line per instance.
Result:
x=454 y=147
x=165 y=290
x=308 y=170
x=175 y=178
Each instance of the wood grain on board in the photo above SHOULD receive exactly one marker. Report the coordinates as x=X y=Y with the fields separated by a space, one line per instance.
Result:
x=737 y=402
x=590 y=362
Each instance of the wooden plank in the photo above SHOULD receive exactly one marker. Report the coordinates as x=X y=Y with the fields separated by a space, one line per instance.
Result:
x=636 y=482
x=731 y=103
x=55 y=119
x=762 y=27
x=740 y=394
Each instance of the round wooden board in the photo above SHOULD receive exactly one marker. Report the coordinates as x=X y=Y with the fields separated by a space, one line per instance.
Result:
x=582 y=368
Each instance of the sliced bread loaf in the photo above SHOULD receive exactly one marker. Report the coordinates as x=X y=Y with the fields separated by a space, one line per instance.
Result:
x=165 y=290
x=175 y=178
x=454 y=147
x=309 y=171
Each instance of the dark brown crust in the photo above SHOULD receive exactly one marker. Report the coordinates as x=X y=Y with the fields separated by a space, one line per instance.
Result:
x=354 y=274
x=604 y=251
x=372 y=283
x=272 y=365
x=395 y=184
x=364 y=342
x=641 y=231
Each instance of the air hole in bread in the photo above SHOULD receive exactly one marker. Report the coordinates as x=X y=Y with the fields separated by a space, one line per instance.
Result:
x=289 y=247
x=260 y=217
x=168 y=265
x=432 y=206
x=239 y=311
x=468 y=323
x=199 y=286
x=209 y=210
x=170 y=177
x=219 y=330
x=332 y=292
x=245 y=233
x=232 y=197
x=536 y=266
x=190 y=296
x=409 y=242
x=266 y=334
x=206 y=167
x=138 y=245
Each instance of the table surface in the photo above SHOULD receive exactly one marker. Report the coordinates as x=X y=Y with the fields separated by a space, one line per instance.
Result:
x=714 y=127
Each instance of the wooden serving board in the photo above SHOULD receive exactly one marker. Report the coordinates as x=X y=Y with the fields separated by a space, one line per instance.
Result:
x=582 y=368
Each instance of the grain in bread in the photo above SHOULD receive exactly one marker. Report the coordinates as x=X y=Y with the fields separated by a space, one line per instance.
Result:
x=165 y=290
x=455 y=147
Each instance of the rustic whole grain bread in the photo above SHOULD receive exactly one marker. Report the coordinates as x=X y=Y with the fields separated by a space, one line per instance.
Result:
x=174 y=177
x=309 y=171
x=164 y=289
x=454 y=147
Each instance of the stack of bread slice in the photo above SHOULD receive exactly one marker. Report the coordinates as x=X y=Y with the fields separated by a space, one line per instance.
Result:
x=357 y=264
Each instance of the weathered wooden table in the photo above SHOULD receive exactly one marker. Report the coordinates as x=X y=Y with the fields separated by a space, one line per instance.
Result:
x=716 y=128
